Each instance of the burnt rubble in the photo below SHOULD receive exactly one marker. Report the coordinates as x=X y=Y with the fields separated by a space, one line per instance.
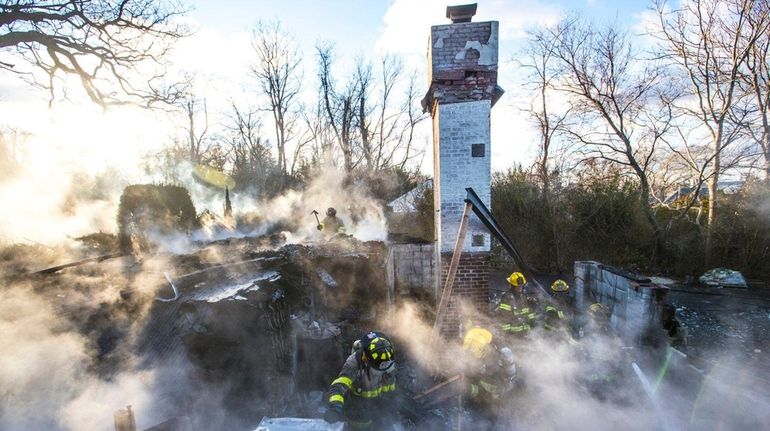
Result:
x=244 y=329
x=244 y=324
x=227 y=324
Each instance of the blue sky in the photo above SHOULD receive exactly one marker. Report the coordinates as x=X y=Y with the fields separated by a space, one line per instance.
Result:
x=356 y=25
x=353 y=24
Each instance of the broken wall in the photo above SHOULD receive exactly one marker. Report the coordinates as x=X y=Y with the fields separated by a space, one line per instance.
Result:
x=456 y=48
x=635 y=303
x=412 y=268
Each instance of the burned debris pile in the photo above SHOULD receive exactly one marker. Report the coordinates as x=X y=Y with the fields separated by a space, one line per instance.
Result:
x=227 y=324
x=246 y=328
x=244 y=323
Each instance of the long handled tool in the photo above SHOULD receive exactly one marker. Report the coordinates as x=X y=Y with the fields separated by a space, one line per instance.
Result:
x=315 y=213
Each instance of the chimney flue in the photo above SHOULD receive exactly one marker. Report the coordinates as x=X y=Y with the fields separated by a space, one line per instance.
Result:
x=461 y=13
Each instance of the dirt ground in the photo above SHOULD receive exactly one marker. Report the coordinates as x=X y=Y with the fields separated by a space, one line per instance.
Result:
x=723 y=321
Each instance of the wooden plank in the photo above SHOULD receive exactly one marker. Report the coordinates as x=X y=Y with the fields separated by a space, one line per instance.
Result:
x=450 y=279
x=441 y=392
x=436 y=387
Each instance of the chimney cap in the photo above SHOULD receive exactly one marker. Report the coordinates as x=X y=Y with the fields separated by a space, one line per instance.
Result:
x=461 y=13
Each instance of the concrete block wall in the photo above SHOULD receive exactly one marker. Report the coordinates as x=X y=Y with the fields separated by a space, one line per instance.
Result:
x=459 y=126
x=634 y=301
x=413 y=267
x=471 y=285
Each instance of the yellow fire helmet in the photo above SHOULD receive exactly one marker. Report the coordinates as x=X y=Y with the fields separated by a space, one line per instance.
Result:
x=517 y=279
x=598 y=307
x=599 y=310
x=477 y=341
x=560 y=286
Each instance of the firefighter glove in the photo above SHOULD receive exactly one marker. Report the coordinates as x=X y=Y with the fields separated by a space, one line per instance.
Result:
x=333 y=414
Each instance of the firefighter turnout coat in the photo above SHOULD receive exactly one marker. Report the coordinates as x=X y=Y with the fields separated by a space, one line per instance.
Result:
x=514 y=314
x=361 y=390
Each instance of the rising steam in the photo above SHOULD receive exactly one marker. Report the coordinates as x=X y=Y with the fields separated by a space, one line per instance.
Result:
x=556 y=390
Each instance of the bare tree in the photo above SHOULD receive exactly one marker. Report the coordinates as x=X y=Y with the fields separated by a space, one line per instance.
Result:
x=316 y=139
x=612 y=97
x=249 y=154
x=277 y=68
x=386 y=129
x=414 y=116
x=757 y=79
x=306 y=142
x=373 y=114
x=196 y=127
x=362 y=80
x=195 y=142
x=396 y=123
x=99 y=41
x=681 y=171
x=337 y=105
x=710 y=41
x=539 y=63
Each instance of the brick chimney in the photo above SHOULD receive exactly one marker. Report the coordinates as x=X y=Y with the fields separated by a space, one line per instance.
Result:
x=462 y=74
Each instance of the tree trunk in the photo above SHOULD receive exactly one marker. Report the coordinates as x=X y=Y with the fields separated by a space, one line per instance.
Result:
x=191 y=136
x=767 y=167
x=766 y=148
x=712 y=209
x=660 y=235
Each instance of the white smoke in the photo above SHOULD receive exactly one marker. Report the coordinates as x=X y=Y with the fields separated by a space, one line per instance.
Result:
x=45 y=374
x=70 y=170
x=557 y=384
x=362 y=215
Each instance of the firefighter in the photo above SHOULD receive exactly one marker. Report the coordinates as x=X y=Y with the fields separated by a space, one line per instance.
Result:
x=331 y=225
x=555 y=321
x=560 y=292
x=492 y=374
x=553 y=314
x=513 y=312
x=599 y=319
x=364 y=389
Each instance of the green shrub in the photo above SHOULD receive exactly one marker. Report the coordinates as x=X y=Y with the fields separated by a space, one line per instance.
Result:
x=741 y=236
x=152 y=207
x=601 y=218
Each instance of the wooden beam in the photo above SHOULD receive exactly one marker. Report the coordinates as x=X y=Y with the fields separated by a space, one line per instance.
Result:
x=450 y=279
x=58 y=268
x=441 y=392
